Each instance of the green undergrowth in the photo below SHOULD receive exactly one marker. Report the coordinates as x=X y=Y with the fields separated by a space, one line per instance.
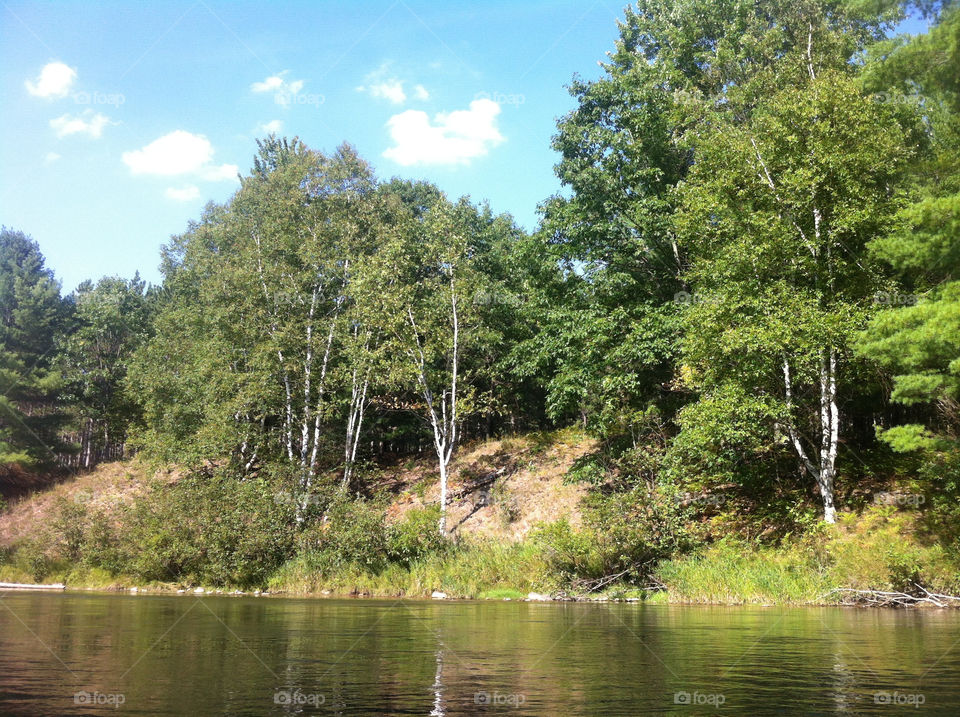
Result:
x=482 y=570
x=878 y=550
x=219 y=533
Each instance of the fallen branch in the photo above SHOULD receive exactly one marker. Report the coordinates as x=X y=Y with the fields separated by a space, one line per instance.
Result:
x=893 y=598
x=590 y=586
x=475 y=485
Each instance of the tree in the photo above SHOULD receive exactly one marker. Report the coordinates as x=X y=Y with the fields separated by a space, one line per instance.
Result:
x=111 y=319
x=713 y=143
x=420 y=287
x=31 y=315
x=259 y=319
x=917 y=334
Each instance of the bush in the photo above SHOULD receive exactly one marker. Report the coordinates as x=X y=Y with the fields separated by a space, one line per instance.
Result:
x=353 y=532
x=415 y=536
x=32 y=559
x=880 y=551
x=68 y=528
x=623 y=534
x=219 y=531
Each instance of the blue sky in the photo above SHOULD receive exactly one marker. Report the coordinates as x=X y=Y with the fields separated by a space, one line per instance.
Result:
x=121 y=120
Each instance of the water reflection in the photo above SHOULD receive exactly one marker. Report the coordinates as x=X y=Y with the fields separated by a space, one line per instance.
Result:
x=249 y=656
x=438 y=708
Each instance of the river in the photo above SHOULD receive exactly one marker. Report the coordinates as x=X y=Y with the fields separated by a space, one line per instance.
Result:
x=89 y=653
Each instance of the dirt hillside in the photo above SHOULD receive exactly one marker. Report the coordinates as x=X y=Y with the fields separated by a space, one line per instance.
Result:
x=499 y=488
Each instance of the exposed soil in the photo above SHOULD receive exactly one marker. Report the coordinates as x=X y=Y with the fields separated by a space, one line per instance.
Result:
x=497 y=489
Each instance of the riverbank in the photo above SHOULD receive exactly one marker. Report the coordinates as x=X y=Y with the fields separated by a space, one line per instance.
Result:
x=868 y=555
x=522 y=523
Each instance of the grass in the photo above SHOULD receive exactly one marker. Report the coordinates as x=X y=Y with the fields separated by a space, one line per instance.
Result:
x=878 y=550
x=882 y=547
x=736 y=573
x=78 y=576
x=478 y=570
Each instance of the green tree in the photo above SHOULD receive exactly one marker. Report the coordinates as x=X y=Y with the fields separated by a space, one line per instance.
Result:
x=917 y=336
x=258 y=322
x=420 y=287
x=32 y=313
x=776 y=215
x=111 y=319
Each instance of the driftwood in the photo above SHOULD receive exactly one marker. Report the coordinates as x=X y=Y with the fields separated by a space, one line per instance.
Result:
x=893 y=598
x=590 y=586
x=27 y=586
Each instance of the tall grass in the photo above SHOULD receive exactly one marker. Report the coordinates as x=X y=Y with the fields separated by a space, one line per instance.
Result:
x=879 y=550
x=486 y=569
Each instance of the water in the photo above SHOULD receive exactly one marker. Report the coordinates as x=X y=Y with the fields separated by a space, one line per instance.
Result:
x=79 y=653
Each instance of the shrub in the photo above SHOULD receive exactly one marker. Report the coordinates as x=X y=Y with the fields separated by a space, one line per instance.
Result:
x=68 y=527
x=415 y=536
x=623 y=534
x=353 y=532
x=218 y=530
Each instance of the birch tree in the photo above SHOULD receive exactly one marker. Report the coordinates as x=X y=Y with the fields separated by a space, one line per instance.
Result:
x=776 y=214
x=271 y=272
x=421 y=288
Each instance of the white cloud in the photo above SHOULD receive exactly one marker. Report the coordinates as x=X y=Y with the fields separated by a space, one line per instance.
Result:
x=391 y=90
x=452 y=138
x=87 y=122
x=184 y=194
x=282 y=89
x=270 y=84
x=54 y=81
x=271 y=127
x=179 y=153
x=383 y=84
x=51 y=157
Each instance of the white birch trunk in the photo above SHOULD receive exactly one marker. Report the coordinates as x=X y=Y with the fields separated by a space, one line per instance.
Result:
x=445 y=425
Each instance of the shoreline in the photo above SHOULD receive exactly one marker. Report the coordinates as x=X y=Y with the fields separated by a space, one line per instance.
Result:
x=173 y=591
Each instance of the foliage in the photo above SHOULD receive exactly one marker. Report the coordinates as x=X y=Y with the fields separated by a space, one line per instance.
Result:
x=31 y=315
x=876 y=552
x=413 y=538
x=213 y=531
x=623 y=535
x=746 y=291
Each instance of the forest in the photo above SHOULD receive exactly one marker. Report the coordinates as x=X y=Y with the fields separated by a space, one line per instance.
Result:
x=745 y=294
